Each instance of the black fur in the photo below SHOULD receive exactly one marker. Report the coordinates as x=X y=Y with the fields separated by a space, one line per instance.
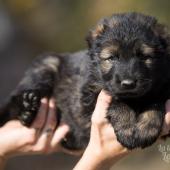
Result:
x=129 y=57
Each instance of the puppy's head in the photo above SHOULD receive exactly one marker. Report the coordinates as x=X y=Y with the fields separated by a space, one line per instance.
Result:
x=131 y=52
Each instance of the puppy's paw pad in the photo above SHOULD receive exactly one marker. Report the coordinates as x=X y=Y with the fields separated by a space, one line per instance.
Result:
x=31 y=100
x=27 y=118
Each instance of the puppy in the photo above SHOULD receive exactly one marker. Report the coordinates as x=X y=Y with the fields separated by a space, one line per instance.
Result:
x=129 y=57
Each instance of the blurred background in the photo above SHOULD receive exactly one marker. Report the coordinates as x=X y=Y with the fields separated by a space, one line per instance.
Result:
x=31 y=27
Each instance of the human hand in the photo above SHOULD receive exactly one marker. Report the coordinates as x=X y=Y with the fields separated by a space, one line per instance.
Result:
x=103 y=145
x=103 y=149
x=166 y=126
x=41 y=137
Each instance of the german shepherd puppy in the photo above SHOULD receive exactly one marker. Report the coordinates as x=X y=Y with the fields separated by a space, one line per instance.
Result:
x=129 y=56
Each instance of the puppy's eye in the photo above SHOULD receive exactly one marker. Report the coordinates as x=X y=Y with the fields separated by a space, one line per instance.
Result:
x=145 y=57
x=148 y=61
x=149 y=58
x=113 y=57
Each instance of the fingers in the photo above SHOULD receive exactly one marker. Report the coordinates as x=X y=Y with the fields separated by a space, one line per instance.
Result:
x=47 y=132
x=102 y=136
x=51 y=118
x=41 y=116
x=166 y=126
x=167 y=116
x=59 y=134
x=34 y=131
x=101 y=108
x=50 y=137
x=47 y=140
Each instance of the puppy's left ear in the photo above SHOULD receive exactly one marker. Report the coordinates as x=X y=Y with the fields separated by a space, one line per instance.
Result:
x=96 y=33
x=162 y=32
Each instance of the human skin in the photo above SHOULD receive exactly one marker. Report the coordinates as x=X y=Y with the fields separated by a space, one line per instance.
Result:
x=101 y=153
x=41 y=137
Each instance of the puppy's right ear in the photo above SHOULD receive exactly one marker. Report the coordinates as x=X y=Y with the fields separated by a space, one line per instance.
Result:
x=96 y=33
x=162 y=32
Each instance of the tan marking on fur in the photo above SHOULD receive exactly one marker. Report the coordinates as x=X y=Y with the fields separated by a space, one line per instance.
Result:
x=147 y=50
x=106 y=66
x=145 y=118
x=52 y=62
x=106 y=52
x=99 y=29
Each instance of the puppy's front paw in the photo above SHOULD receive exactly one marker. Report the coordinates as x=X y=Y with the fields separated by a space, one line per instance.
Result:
x=30 y=102
x=126 y=137
x=132 y=138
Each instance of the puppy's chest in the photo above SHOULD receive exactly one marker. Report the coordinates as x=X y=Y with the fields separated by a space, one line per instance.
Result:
x=140 y=105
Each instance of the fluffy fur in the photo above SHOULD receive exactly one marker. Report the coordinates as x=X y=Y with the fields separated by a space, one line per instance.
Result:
x=129 y=57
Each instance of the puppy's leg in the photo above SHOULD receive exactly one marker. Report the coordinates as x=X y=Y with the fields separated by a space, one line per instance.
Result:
x=149 y=125
x=38 y=82
x=123 y=118
x=136 y=130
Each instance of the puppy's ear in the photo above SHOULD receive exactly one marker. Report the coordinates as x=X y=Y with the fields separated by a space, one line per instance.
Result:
x=162 y=32
x=96 y=32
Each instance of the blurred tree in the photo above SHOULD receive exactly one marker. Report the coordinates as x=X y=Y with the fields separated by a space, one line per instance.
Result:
x=62 y=24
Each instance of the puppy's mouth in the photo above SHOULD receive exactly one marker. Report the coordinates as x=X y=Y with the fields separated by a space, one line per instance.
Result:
x=138 y=91
x=130 y=94
x=135 y=93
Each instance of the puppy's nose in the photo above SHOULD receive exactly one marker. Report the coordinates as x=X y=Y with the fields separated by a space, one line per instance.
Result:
x=128 y=84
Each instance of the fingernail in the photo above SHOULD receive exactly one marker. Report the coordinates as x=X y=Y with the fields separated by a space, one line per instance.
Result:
x=44 y=100
x=65 y=127
x=52 y=103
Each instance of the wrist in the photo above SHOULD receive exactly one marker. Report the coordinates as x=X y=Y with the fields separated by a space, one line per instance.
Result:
x=102 y=158
x=92 y=160
x=94 y=155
